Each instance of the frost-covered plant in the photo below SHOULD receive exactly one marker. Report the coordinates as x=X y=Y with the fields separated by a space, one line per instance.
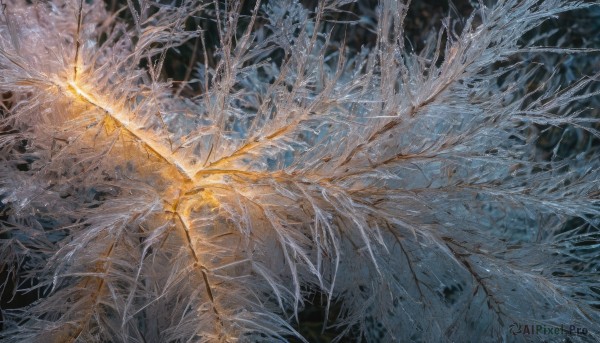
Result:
x=406 y=187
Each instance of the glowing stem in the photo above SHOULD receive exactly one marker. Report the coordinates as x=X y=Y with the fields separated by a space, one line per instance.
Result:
x=126 y=119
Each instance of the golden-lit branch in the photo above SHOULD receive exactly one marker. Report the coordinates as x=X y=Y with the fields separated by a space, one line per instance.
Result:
x=126 y=119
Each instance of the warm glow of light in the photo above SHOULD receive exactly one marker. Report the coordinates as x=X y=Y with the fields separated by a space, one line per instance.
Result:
x=178 y=205
x=126 y=119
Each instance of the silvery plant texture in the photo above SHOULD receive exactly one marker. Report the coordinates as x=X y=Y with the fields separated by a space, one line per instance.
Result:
x=416 y=192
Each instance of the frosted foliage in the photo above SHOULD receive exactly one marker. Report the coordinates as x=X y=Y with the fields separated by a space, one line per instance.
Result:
x=407 y=188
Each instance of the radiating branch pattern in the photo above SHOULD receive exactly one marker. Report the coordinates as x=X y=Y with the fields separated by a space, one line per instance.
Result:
x=408 y=188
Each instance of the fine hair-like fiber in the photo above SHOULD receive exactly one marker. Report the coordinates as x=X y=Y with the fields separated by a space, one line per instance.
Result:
x=426 y=191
